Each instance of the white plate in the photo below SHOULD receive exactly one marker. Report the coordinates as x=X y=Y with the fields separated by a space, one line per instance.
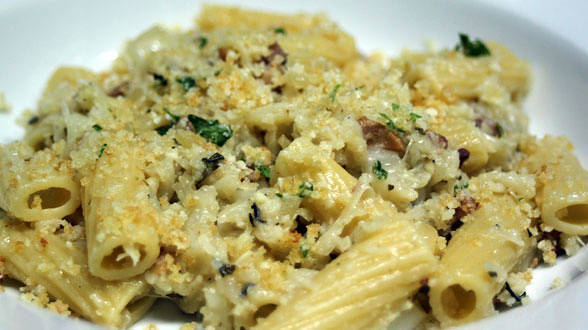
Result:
x=36 y=36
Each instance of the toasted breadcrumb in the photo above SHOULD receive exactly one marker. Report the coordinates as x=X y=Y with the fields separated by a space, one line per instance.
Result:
x=38 y=295
x=189 y=326
x=150 y=326
x=548 y=249
x=557 y=282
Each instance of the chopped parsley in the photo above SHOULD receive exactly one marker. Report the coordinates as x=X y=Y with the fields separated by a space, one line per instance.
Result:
x=97 y=127
x=101 y=152
x=227 y=269
x=379 y=171
x=279 y=195
x=391 y=124
x=280 y=30
x=217 y=73
x=246 y=288
x=520 y=199
x=256 y=216
x=471 y=48
x=264 y=170
x=163 y=129
x=33 y=120
x=174 y=118
x=395 y=107
x=414 y=117
x=211 y=130
x=461 y=186
x=499 y=130
x=187 y=82
x=212 y=163
x=305 y=189
x=512 y=294
x=304 y=250
x=202 y=42
x=160 y=80
x=333 y=93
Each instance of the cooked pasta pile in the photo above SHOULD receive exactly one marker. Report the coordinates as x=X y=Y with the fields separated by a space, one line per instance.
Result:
x=262 y=173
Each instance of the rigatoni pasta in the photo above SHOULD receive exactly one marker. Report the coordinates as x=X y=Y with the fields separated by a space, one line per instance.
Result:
x=121 y=222
x=37 y=186
x=491 y=242
x=41 y=257
x=262 y=173
x=562 y=184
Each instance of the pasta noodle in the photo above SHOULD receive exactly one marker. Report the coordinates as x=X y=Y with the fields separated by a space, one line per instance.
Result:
x=120 y=219
x=492 y=241
x=37 y=257
x=392 y=266
x=562 y=190
x=36 y=186
x=262 y=173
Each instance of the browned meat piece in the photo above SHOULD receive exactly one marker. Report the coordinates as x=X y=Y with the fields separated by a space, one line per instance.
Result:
x=275 y=51
x=466 y=206
x=437 y=138
x=375 y=133
x=222 y=53
x=119 y=90
x=464 y=155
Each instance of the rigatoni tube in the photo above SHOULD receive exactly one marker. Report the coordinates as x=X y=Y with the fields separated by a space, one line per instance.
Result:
x=120 y=219
x=59 y=265
x=36 y=185
x=365 y=287
x=474 y=266
x=562 y=184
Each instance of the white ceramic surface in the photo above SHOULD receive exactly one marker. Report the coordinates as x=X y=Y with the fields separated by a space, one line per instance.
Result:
x=38 y=35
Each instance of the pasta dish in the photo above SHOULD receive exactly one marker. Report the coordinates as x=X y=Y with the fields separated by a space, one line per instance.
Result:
x=262 y=173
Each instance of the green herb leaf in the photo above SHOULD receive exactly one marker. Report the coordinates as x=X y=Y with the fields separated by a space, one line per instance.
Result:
x=391 y=124
x=304 y=250
x=379 y=171
x=163 y=129
x=97 y=127
x=256 y=216
x=33 y=120
x=227 y=269
x=202 y=42
x=173 y=117
x=280 y=30
x=472 y=49
x=414 y=117
x=217 y=73
x=211 y=130
x=305 y=189
x=212 y=163
x=264 y=170
x=499 y=130
x=520 y=199
x=460 y=186
x=279 y=195
x=160 y=81
x=395 y=107
x=333 y=93
x=102 y=150
x=187 y=82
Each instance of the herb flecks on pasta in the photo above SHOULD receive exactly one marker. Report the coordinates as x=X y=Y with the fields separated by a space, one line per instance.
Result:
x=262 y=173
